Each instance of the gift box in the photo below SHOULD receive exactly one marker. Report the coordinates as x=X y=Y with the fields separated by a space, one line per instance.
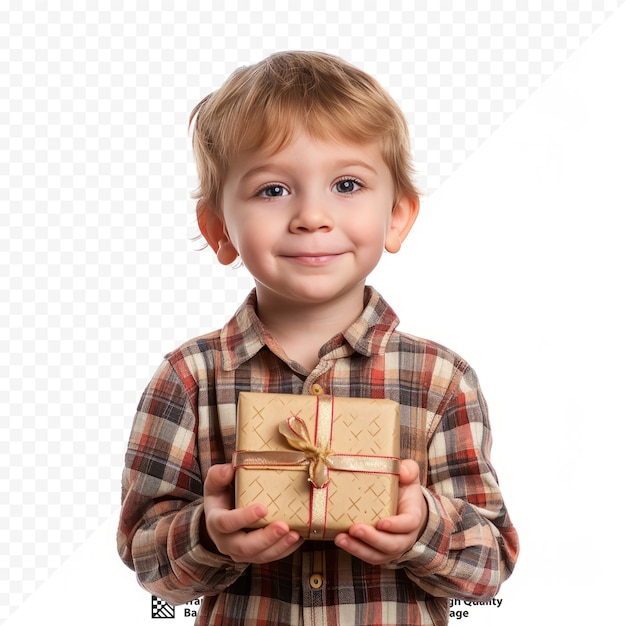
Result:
x=320 y=463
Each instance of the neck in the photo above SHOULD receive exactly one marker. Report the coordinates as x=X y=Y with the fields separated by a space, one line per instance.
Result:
x=302 y=328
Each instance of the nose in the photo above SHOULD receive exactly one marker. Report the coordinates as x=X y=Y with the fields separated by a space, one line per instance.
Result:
x=310 y=215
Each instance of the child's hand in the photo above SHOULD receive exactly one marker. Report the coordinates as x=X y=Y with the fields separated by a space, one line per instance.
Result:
x=225 y=525
x=394 y=535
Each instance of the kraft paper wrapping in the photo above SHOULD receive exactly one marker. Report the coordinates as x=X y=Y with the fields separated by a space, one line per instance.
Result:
x=320 y=463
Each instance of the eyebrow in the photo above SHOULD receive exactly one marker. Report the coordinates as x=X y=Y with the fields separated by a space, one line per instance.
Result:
x=358 y=163
x=343 y=163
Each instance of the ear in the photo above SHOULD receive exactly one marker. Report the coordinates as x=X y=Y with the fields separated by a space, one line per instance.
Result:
x=403 y=217
x=214 y=231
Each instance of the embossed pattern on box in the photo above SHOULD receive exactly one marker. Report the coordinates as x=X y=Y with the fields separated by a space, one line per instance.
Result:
x=361 y=427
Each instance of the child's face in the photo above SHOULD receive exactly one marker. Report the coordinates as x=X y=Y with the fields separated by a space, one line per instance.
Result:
x=310 y=221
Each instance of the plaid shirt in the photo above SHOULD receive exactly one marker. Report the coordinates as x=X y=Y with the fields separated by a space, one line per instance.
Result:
x=186 y=422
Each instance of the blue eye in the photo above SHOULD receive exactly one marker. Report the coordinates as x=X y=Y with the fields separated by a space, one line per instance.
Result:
x=348 y=185
x=273 y=191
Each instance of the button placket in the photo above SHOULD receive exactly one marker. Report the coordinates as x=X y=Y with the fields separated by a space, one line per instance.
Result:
x=316 y=581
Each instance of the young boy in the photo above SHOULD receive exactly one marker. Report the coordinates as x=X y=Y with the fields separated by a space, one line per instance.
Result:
x=305 y=175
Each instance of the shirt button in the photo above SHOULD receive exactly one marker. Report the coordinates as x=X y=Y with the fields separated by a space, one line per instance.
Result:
x=317 y=390
x=316 y=581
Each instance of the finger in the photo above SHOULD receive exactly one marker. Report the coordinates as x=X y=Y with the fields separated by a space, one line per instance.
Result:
x=230 y=521
x=362 y=550
x=389 y=543
x=409 y=472
x=405 y=523
x=271 y=543
x=218 y=478
x=267 y=544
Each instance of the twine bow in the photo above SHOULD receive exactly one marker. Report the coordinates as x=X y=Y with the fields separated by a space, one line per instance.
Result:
x=297 y=435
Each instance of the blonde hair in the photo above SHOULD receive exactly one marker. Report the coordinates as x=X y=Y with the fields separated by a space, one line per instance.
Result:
x=264 y=105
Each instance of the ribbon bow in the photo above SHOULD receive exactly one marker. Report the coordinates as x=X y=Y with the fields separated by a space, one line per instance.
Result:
x=297 y=435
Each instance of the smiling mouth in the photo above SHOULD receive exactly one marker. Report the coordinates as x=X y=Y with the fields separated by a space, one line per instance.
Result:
x=313 y=259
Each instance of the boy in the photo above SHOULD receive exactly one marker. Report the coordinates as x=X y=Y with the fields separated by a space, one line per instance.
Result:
x=304 y=165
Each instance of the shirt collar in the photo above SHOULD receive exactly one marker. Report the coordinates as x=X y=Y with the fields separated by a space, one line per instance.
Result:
x=244 y=335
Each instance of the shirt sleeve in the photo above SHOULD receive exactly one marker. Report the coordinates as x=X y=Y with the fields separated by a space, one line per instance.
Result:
x=159 y=534
x=469 y=546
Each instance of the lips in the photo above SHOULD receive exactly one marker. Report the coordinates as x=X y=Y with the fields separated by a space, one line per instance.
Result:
x=313 y=258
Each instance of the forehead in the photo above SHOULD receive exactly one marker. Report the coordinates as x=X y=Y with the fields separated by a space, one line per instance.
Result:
x=303 y=151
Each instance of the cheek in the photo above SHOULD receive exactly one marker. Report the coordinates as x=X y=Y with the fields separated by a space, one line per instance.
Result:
x=370 y=234
x=369 y=225
x=251 y=241
x=239 y=233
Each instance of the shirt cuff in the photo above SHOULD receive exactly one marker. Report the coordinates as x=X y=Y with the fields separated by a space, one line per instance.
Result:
x=203 y=564
x=430 y=552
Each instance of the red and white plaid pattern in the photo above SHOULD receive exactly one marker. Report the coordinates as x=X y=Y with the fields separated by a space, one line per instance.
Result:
x=186 y=422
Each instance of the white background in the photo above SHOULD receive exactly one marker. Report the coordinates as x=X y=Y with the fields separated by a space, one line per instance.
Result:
x=516 y=262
